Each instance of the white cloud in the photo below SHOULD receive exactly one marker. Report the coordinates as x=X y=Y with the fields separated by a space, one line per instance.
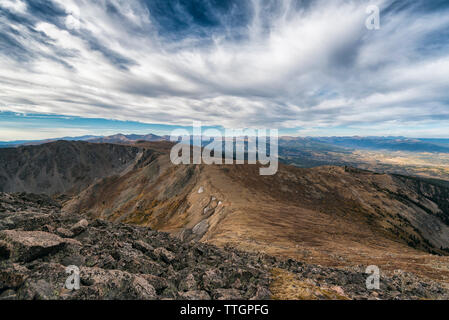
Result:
x=299 y=67
x=14 y=5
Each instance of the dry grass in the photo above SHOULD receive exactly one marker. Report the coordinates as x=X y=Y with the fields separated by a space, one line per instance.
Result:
x=286 y=286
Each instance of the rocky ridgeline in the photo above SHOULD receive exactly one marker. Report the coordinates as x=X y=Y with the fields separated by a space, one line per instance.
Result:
x=118 y=261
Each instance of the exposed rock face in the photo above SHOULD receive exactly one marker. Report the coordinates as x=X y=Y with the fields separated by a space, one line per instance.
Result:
x=201 y=228
x=119 y=261
x=61 y=166
x=29 y=245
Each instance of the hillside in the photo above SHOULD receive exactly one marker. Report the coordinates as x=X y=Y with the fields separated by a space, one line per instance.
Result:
x=61 y=166
x=334 y=216
x=127 y=139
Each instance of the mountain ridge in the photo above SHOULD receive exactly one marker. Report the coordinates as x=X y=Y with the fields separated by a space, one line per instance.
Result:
x=61 y=166
x=333 y=216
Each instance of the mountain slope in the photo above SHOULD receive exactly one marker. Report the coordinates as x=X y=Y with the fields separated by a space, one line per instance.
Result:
x=334 y=216
x=62 y=166
x=117 y=138
x=126 y=139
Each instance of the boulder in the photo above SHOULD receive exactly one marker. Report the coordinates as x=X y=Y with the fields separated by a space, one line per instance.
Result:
x=38 y=290
x=160 y=284
x=164 y=255
x=115 y=284
x=185 y=235
x=64 y=233
x=194 y=295
x=188 y=284
x=30 y=245
x=212 y=279
x=8 y=295
x=142 y=246
x=12 y=276
x=201 y=228
x=143 y=289
x=5 y=250
x=79 y=227
x=118 y=261
x=227 y=294
x=262 y=293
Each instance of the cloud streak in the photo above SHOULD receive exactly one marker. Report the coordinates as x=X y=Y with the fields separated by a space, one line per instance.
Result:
x=310 y=65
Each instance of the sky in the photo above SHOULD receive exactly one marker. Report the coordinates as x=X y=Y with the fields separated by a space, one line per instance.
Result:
x=305 y=67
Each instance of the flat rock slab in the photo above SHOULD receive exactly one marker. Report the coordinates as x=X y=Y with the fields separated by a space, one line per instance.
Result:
x=115 y=284
x=27 y=246
x=201 y=228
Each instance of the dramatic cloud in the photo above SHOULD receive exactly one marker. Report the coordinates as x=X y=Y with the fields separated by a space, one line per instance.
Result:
x=308 y=65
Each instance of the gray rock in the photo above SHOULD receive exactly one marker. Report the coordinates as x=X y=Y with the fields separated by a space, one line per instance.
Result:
x=5 y=250
x=73 y=260
x=8 y=295
x=227 y=294
x=30 y=245
x=79 y=227
x=164 y=255
x=116 y=284
x=12 y=276
x=212 y=279
x=201 y=228
x=159 y=283
x=38 y=290
x=188 y=284
x=262 y=293
x=185 y=235
x=142 y=246
x=143 y=289
x=64 y=233
x=194 y=295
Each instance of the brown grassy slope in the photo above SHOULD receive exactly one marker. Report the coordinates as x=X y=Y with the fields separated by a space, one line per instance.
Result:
x=327 y=215
x=331 y=217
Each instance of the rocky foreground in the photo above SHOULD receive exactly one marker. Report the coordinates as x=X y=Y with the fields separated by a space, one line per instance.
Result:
x=119 y=261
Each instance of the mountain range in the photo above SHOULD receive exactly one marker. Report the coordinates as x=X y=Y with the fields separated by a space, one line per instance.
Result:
x=320 y=143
